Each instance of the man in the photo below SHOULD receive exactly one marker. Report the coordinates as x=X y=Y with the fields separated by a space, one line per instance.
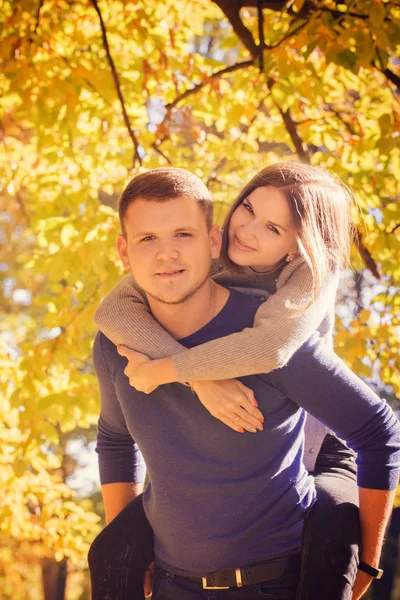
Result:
x=227 y=511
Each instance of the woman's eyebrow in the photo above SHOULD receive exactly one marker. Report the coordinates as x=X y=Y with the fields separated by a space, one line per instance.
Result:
x=269 y=222
x=276 y=225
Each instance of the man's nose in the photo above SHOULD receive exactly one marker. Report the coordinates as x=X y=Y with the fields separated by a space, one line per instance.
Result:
x=167 y=251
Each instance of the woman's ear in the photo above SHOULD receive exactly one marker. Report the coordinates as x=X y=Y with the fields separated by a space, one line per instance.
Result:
x=122 y=247
x=215 y=240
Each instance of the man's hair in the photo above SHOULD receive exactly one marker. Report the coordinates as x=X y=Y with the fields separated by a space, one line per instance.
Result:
x=166 y=183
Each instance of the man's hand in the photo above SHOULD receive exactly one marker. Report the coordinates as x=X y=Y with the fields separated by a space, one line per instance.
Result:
x=231 y=402
x=148 y=580
x=136 y=371
x=361 y=584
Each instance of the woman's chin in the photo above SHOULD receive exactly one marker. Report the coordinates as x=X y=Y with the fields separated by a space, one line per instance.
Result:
x=239 y=260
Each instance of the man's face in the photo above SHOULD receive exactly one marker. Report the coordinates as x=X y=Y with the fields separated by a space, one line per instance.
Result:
x=168 y=247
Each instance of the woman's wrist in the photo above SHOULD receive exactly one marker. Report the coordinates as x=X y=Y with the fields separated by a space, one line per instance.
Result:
x=161 y=371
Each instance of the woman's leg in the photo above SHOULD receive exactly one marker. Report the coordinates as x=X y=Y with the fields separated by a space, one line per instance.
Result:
x=331 y=536
x=119 y=556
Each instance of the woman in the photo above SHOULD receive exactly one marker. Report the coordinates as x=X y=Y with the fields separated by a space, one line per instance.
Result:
x=286 y=235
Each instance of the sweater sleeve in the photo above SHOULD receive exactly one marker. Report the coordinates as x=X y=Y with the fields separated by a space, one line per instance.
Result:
x=120 y=459
x=278 y=331
x=319 y=381
x=124 y=317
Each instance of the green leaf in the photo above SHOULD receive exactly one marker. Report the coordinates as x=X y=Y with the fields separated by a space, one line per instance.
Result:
x=347 y=59
x=20 y=466
x=377 y=13
x=385 y=123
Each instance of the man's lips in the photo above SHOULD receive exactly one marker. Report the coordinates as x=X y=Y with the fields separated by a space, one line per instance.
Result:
x=241 y=246
x=168 y=273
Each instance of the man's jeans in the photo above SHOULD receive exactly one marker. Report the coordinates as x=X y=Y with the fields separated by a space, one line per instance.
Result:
x=119 y=556
x=168 y=587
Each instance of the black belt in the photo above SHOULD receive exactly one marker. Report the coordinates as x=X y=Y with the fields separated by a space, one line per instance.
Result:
x=257 y=573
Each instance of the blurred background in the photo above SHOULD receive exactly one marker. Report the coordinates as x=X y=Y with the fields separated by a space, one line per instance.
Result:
x=91 y=93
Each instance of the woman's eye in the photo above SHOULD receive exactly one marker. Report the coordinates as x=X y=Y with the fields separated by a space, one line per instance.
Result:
x=247 y=207
x=274 y=229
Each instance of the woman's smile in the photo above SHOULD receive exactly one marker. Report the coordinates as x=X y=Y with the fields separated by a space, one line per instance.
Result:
x=240 y=245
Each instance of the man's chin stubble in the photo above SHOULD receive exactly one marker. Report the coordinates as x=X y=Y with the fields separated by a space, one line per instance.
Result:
x=181 y=300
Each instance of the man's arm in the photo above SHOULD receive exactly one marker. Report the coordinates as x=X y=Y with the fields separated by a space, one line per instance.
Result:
x=122 y=468
x=318 y=380
x=375 y=510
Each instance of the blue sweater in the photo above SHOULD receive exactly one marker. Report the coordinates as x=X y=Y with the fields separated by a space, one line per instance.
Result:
x=220 y=499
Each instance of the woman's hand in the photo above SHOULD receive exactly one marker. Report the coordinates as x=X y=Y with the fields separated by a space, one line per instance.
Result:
x=228 y=400
x=231 y=402
x=137 y=370
x=361 y=584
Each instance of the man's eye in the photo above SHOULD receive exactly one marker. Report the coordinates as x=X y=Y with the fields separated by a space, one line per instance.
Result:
x=184 y=234
x=148 y=238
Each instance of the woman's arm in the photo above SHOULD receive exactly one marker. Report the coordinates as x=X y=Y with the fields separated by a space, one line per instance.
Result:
x=278 y=333
x=125 y=319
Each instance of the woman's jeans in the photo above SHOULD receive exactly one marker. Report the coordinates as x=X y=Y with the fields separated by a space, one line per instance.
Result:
x=331 y=535
x=121 y=553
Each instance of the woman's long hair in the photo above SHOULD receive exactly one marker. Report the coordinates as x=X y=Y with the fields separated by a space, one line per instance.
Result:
x=320 y=207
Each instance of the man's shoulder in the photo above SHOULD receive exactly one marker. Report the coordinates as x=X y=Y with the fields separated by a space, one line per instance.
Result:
x=246 y=302
x=238 y=313
x=104 y=351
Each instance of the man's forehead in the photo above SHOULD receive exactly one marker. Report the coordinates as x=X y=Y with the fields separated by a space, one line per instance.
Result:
x=166 y=215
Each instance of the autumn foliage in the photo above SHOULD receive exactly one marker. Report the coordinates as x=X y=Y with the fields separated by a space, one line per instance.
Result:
x=92 y=92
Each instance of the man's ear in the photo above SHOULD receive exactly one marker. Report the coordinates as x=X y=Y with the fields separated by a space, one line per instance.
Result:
x=122 y=247
x=215 y=240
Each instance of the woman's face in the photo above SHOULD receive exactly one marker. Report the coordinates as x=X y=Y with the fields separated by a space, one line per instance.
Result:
x=261 y=231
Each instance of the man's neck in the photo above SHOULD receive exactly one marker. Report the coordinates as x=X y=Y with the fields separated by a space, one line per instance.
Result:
x=181 y=320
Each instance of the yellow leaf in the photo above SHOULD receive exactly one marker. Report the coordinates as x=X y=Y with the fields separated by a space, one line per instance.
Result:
x=67 y=233
x=363 y=316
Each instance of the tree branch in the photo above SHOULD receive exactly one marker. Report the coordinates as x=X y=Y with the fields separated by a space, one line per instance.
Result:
x=64 y=328
x=117 y=83
x=261 y=35
x=301 y=147
x=288 y=35
x=38 y=15
x=366 y=255
x=231 y=11
x=157 y=148
x=385 y=71
x=392 y=77
x=196 y=88
x=22 y=207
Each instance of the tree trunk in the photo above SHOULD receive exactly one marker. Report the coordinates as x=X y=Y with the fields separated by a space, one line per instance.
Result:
x=54 y=579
